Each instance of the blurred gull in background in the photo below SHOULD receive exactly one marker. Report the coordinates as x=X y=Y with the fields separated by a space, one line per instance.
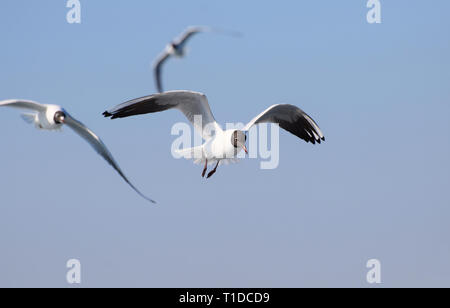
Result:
x=53 y=117
x=177 y=48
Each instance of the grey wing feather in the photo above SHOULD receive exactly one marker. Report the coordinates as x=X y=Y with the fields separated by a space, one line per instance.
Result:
x=23 y=104
x=188 y=33
x=157 y=67
x=100 y=148
x=191 y=104
x=292 y=119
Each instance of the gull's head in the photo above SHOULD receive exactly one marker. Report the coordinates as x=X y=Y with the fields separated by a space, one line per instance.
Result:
x=171 y=48
x=238 y=139
x=178 y=50
x=60 y=117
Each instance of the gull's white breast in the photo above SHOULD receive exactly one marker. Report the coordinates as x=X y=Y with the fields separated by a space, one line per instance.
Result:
x=220 y=147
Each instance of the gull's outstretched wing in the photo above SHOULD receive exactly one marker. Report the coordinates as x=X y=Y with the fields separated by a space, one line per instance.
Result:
x=193 y=105
x=189 y=33
x=23 y=104
x=99 y=147
x=157 y=68
x=292 y=119
x=192 y=30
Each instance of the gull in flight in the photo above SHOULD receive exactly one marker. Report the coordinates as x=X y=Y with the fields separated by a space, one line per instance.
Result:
x=221 y=146
x=177 y=48
x=52 y=117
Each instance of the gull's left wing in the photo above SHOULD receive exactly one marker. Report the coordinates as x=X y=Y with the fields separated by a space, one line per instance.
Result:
x=99 y=147
x=292 y=119
x=157 y=68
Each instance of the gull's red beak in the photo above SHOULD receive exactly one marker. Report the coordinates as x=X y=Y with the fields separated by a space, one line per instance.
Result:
x=245 y=149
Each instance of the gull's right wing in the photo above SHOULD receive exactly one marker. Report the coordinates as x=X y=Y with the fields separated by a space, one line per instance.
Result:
x=193 y=105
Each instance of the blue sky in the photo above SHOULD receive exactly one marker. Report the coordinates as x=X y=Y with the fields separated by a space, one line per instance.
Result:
x=378 y=188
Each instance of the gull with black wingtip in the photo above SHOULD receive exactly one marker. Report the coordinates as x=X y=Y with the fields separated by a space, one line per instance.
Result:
x=221 y=146
x=177 y=49
x=53 y=117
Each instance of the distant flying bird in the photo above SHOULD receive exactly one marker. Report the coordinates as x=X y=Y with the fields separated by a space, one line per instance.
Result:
x=177 y=48
x=220 y=146
x=52 y=117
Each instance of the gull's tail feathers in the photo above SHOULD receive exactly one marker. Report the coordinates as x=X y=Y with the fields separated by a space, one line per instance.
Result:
x=196 y=154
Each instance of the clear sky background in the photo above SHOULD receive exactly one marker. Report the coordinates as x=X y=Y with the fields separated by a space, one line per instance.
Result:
x=378 y=188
